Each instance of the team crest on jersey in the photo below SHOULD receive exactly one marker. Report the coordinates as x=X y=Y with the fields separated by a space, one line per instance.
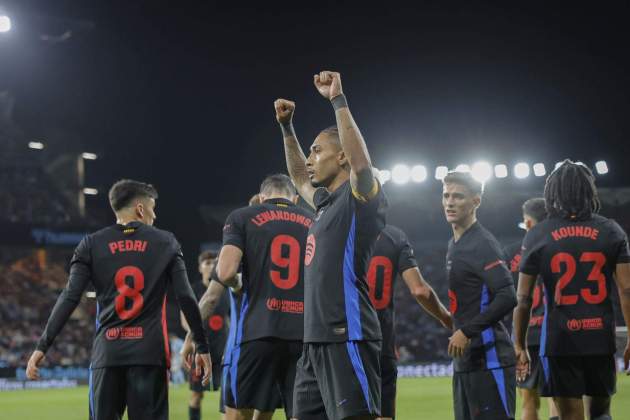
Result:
x=309 y=253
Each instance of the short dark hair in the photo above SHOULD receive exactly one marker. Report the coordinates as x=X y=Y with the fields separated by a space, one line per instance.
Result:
x=206 y=255
x=123 y=192
x=278 y=183
x=466 y=179
x=570 y=192
x=332 y=131
x=535 y=208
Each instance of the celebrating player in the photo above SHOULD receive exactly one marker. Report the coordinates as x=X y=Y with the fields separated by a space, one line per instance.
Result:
x=270 y=241
x=578 y=254
x=481 y=294
x=130 y=265
x=339 y=371
x=215 y=327
x=533 y=212
x=393 y=255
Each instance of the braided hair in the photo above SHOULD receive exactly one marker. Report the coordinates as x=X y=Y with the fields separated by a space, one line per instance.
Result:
x=570 y=192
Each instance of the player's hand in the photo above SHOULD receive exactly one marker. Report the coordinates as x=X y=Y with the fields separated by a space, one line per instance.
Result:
x=457 y=344
x=203 y=363
x=187 y=352
x=523 y=365
x=328 y=84
x=32 y=369
x=284 y=110
x=626 y=357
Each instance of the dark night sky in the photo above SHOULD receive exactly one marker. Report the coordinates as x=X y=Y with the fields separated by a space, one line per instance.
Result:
x=182 y=96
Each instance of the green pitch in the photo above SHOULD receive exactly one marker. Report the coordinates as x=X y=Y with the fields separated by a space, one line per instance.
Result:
x=426 y=398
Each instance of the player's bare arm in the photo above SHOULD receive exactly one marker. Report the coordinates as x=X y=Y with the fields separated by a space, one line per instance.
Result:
x=227 y=266
x=426 y=296
x=622 y=277
x=328 y=83
x=522 y=314
x=296 y=160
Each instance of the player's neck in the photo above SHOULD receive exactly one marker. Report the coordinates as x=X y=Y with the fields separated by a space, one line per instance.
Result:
x=460 y=228
x=124 y=219
x=338 y=181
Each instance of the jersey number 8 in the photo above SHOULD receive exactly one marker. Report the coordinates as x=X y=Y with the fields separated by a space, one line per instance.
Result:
x=129 y=292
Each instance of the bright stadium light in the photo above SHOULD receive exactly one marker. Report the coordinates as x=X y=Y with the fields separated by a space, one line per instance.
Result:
x=90 y=191
x=482 y=171
x=601 y=167
x=89 y=156
x=401 y=174
x=521 y=170
x=418 y=173
x=440 y=172
x=462 y=167
x=500 y=171
x=539 y=169
x=36 y=145
x=5 y=23
x=384 y=175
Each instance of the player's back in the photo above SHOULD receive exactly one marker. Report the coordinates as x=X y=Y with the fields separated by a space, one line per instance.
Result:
x=576 y=260
x=272 y=236
x=392 y=255
x=130 y=268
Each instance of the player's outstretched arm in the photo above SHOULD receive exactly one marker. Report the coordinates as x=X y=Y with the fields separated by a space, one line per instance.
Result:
x=70 y=297
x=328 y=83
x=296 y=160
x=622 y=277
x=227 y=266
x=426 y=296
x=522 y=313
x=211 y=298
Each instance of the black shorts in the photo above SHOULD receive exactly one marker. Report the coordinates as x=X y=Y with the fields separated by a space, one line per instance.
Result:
x=259 y=370
x=575 y=376
x=143 y=390
x=485 y=394
x=338 y=380
x=389 y=376
x=214 y=384
x=536 y=378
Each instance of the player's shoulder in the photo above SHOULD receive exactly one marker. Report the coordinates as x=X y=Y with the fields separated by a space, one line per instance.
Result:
x=486 y=242
x=243 y=213
x=393 y=233
x=609 y=224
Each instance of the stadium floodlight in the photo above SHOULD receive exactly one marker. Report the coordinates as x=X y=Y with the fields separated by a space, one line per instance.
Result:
x=462 y=167
x=482 y=171
x=90 y=191
x=418 y=173
x=440 y=172
x=89 y=156
x=401 y=174
x=521 y=170
x=539 y=169
x=601 y=167
x=36 y=145
x=384 y=175
x=500 y=171
x=5 y=23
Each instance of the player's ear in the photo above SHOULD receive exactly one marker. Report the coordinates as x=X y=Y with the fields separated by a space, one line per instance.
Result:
x=140 y=210
x=342 y=160
x=477 y=200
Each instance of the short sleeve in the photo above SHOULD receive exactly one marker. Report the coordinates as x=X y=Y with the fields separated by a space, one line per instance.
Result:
x=530 y=253
x=234 y=230
x=371 y=212
x=406 y=258
x=622 y=252
x=494 y=269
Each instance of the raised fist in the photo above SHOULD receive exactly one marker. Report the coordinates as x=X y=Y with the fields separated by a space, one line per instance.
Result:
x=284 y=110
x=328 y=83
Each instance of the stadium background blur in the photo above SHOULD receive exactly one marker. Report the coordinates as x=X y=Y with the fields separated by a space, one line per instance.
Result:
x=92 y=92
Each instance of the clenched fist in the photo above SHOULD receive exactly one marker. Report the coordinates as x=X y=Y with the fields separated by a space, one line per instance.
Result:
x=328 y=83
x=284 y=110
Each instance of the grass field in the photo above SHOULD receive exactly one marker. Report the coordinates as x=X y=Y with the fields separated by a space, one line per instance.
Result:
x=425 y=398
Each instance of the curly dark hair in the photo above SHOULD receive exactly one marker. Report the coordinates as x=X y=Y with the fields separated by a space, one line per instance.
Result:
x=570 y=192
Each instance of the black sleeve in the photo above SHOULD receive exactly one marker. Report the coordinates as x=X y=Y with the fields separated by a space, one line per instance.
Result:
x=406 y=257
x=186 y=300
x=370 y=211
x=78 y=279
x=234 y=230
x=501 y=296
x=622 y=253
x=530 y=253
